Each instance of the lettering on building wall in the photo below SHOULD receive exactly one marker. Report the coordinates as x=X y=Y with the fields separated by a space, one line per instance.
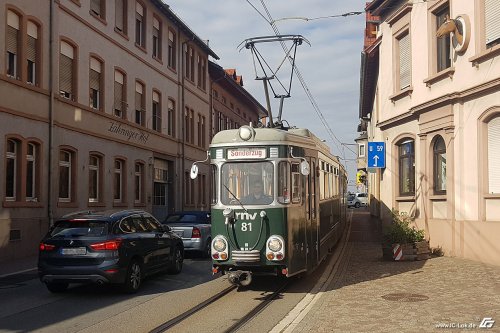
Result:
x=130 y=134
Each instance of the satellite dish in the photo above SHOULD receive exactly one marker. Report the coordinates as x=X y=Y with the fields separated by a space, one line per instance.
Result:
x=194 y=171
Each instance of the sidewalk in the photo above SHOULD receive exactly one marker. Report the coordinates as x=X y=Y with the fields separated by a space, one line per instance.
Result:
x=20 y=265
x=368 y=294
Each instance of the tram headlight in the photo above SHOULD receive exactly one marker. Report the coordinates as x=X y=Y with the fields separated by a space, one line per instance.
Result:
x=275 y=248
x=274 y=244
x=245 y=133
x=219 y=244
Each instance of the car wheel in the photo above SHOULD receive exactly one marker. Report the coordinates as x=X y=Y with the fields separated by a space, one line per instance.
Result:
x=177 y=260
x=208 y=249
x=57 y=287
x=357 y=205
x=133 y=278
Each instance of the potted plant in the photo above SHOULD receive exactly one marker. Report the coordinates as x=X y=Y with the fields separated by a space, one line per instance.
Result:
x=404 y=242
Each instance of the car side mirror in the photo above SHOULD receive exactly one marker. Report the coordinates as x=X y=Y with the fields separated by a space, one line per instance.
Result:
x=166 y=228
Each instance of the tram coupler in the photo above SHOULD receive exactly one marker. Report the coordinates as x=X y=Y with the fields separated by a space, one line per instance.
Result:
x=240 y=278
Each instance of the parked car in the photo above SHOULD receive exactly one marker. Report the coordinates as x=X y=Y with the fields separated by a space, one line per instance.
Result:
x=107 y=247
x=194 y=227
x=357 y=200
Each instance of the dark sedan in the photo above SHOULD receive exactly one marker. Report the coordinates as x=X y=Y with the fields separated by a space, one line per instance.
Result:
x=107 y=247
x=194 y=227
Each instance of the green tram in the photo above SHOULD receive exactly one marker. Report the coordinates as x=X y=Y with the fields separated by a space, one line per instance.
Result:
x=278 y=202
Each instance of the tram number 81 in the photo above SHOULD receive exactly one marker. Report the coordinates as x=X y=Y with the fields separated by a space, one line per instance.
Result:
x=246 y=226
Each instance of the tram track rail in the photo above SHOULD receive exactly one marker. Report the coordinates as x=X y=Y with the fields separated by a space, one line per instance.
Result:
x=233 y=328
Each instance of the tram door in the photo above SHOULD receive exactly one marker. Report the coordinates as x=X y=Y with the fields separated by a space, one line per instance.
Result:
x=312 y=222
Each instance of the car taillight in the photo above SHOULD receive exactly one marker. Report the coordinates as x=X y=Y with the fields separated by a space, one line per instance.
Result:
x=46 y=247
x=196 y=233
x=107 y=246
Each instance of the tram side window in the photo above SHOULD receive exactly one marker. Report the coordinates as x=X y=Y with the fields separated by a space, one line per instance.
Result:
x=214 y=183
x=296 y=184
x=284 y=182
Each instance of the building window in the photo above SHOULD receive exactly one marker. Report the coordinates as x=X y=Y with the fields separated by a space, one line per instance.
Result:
x=32 y=167
x=95 y=172
x=139 y=186
x=189 y=61
x=406 y=159
x=492 y=22
x=189 y=125
x=120 y=95
x=140 y=24
x=67 y=71
x=98 y=8
x=215 y=94
x=439 y=153
x=156 y=111
x=198 y=62
x=95 y=83
x=443 y=48
x=204 y=74
x=121 y=15
x=118 y=182
x=66 y=170
x=156 y=38
x=171 y=118
x=32 y=54
x=404 y=66
x=493 y=128
x=172 y=49
x=140 y=109
x=12 y=44
x=362 y=151
x=11 y=172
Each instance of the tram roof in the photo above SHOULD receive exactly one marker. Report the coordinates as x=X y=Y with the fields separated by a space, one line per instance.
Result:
x=297 y=136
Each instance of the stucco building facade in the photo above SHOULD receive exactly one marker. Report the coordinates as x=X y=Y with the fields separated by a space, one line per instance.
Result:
x=435 y=102
x=103 y=105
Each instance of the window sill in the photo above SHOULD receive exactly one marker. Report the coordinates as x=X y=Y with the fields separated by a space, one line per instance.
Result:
x=405 y=198
x=403 y=93
x=492 y=196
x=121 y=33
x=21 y=204
x=448 y=72
x=67 y=204
x=142 y=48
x=98 y=18
x=76 y=2
x=485 y=55
x=142 y=205
x=438 y=197
x=157 y=59
x=96 y=204
x=173 y=69
x=120 y=204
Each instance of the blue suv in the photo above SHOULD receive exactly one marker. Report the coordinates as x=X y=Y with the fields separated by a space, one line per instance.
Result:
x=107 y=247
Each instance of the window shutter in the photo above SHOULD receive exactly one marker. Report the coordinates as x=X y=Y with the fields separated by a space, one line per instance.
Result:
x=31 y=49
x=404 y=62
x=118 y=96
x=492 y=20
x=94 y=80
x=12 y=37
x=66 y=74
x=119 y=14
x=494 y=155
x=138 y=101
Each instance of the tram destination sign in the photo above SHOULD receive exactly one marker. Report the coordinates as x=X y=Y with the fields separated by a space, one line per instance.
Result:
x=246 y=153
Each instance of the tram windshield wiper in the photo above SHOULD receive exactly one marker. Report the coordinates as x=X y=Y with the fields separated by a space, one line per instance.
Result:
x=235 y=198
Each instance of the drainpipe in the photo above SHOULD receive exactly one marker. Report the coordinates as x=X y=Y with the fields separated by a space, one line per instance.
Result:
x=51 y=115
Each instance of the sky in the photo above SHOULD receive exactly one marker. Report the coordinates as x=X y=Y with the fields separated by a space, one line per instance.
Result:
x=329 y=67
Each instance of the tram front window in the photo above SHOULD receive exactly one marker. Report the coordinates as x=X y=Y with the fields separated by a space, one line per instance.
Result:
x=248 y=183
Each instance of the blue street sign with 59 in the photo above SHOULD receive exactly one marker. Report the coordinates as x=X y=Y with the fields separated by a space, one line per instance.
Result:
x=376 y=154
